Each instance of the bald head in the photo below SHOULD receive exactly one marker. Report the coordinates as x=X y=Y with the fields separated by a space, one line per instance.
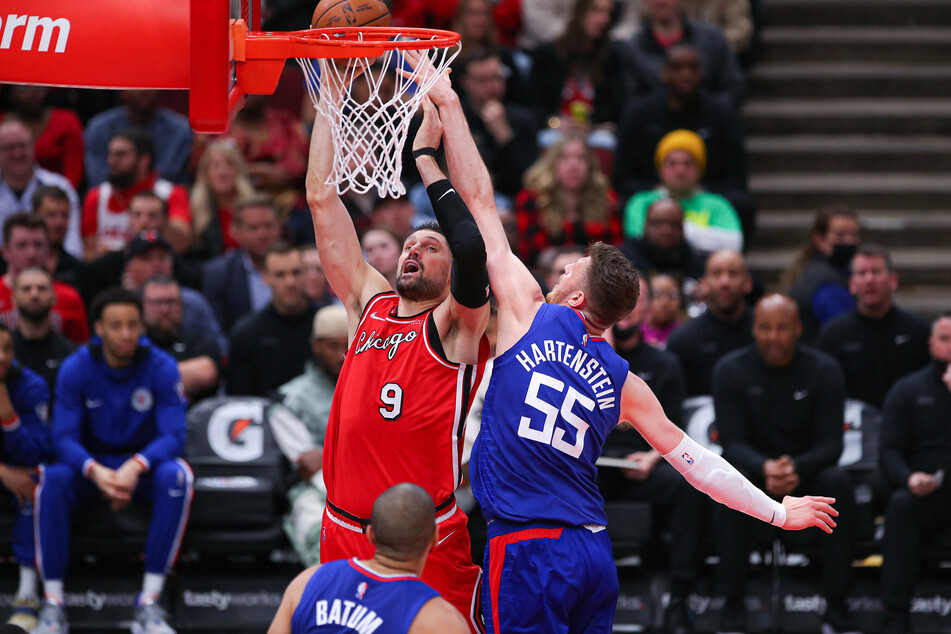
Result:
x=777 y=328
x=403 y=522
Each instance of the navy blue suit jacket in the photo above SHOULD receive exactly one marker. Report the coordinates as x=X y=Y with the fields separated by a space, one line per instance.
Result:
x=226 y=287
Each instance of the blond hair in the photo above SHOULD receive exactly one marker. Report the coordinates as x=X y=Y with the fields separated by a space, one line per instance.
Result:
x=202 y=200
x=542 y=180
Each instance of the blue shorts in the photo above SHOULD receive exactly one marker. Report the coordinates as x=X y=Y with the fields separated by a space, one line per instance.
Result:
x=547 y=578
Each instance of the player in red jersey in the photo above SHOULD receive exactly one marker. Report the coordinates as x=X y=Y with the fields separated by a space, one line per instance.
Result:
x=414 y=362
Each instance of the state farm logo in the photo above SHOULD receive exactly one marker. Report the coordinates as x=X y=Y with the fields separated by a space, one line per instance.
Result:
x=29 y=26
x=236 y=431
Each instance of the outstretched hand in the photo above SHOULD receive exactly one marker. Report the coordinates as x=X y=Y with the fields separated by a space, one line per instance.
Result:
x=430 y=130
x=807 y=511
x=441 y=91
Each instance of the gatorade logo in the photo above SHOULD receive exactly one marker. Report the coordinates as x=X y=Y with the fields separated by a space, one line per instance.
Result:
x=236 y=432
x=31 y=25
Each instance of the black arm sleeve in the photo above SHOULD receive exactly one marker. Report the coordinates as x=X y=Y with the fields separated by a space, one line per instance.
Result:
x=470 y=278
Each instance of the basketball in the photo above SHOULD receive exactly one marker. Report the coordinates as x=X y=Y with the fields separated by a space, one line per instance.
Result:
x=341 y=13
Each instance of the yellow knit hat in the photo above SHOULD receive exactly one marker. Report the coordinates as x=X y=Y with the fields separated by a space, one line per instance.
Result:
x=682 y=140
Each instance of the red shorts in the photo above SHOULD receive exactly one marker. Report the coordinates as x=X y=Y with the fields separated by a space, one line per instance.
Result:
x=449 y=569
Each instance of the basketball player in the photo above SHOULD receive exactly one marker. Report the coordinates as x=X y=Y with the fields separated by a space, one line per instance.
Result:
x=414 y=362
x=383 y=595
x=557 y=390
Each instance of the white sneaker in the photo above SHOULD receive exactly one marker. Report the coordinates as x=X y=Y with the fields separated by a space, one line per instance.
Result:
x=150 y=618
x=52 y=619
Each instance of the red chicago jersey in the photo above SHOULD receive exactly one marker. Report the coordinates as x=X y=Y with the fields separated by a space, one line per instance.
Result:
x=399 y=411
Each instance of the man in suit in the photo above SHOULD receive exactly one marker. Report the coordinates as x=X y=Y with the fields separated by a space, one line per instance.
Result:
x=233 y=282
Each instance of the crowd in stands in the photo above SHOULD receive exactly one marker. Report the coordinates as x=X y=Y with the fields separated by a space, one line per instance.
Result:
x=610 y=120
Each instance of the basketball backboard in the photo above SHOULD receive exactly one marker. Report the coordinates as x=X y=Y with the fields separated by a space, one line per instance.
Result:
x=175 y=45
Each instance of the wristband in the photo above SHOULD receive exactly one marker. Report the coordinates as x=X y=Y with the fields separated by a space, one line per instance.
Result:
x=424 y=151
x=10 y=425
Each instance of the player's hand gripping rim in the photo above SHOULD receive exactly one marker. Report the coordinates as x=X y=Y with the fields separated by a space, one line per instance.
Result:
x=441 y=91
x=809 y=510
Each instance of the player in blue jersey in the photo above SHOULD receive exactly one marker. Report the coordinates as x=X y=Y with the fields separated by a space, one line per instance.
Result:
x=557 y=390
x=382 y=595
x=24 y=444
x=118 y=434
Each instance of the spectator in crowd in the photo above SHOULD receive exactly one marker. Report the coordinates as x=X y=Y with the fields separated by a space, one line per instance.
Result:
x=382 y=251
x=234 y=283
x=915 y=454
x=24 y=444
x=567 y=200
x=105 y=219
x=220 y=183
x=168 y=132
x=654 y=480
x=662 y=248
x=119 y=381
x=727 y=323
x=876 y=343
x=147 y=213
x=301 y=436
x=476 y=27
x=577 y=82
x=666 y=26
x=316 y=286
x=36 y=344
x=666 y=312
x=20 y=177
x=274 y=145
x=779 y=412
x=819 y=276
x=553 y=260
x=684 y=106
x=402 y=532
x=269 y=347
x=148 y=255
x=733 y=17
x=504 y=132
x=57 y=132
x=710 y=221
x=395 y=215
x=53 y=205
x=26 y=245
x=544 y=20
x=196 y=352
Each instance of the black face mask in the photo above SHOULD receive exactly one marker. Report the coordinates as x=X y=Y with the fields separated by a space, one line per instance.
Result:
x=625 y=333
x=842 y=254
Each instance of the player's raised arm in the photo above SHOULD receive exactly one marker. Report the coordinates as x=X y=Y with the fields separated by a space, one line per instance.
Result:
x=713 y=475
x=352 y=279
x=515 y=288
x=468 y=305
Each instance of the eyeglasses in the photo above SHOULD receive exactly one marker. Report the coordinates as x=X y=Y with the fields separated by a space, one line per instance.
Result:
x=169 y=302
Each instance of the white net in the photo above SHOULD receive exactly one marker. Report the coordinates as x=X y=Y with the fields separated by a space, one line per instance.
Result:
x=370 y=104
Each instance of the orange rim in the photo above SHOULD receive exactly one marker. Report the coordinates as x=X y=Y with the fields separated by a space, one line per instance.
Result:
x=375 y=37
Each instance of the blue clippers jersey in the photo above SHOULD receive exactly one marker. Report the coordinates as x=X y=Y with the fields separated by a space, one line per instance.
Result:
x=552 y=400
x=346 y=596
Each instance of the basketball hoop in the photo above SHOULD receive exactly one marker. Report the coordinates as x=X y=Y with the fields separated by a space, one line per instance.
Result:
x=368 y=103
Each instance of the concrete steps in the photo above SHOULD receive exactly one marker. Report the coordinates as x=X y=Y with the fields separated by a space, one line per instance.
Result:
x=849 y=153
x=859 y=190
x=856 y=44
x=845 y=79
x=869 y=13
x=862 y=115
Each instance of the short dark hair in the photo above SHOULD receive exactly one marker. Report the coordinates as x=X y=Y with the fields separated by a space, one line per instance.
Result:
x=111 y=296
x=159 y=280
x=47 y=191
x=612 y=285
x=477 y=56
x=429 y=226
x=873 y=250
x=151 y=195
x=281 y=247
x=252 y=202
x=25 y=220
x=140 y=139
x=403 y=520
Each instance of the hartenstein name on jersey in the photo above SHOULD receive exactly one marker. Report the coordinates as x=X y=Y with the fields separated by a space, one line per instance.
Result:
x=372 y=341
x=348 y=614
x=586 y=366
